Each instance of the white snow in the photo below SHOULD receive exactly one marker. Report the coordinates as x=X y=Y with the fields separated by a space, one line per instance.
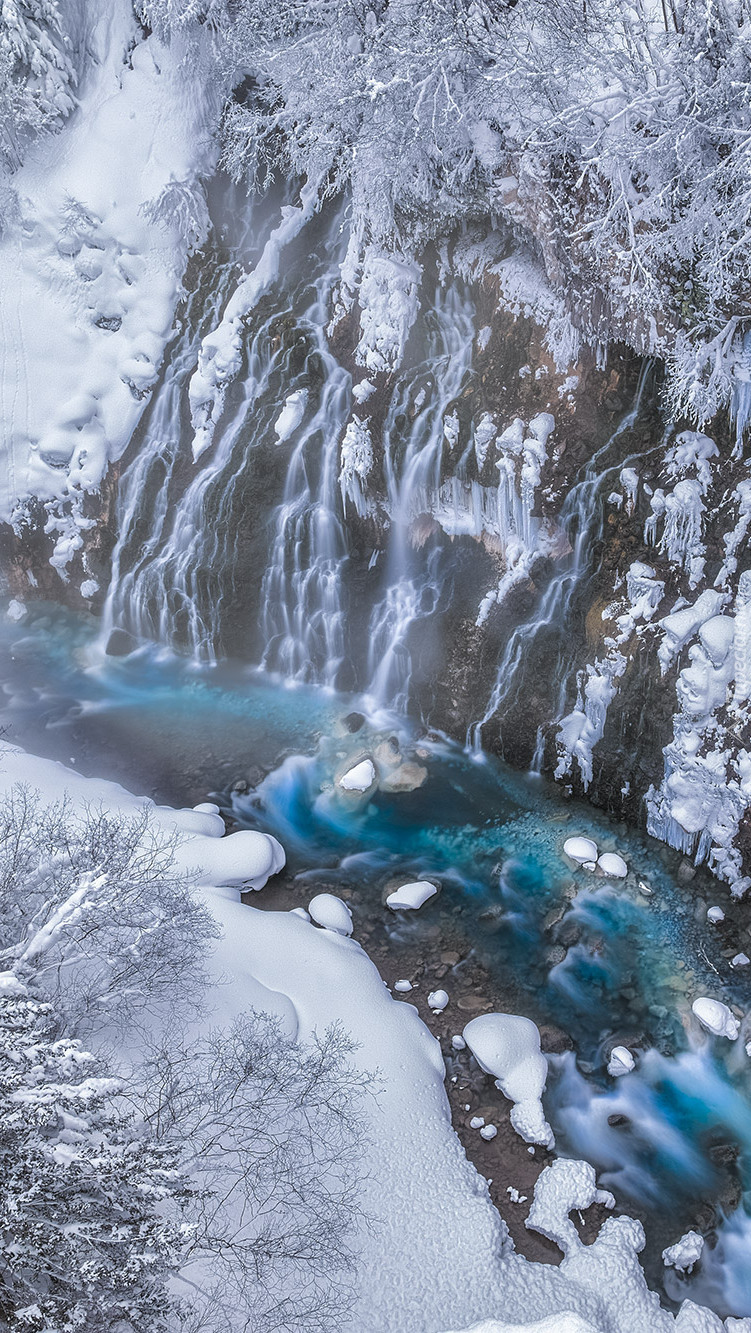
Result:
x=360 y=778
x=580 y=849
x=715 y=915
x=412 y=896
x=356 y=464
x=438 y=999
x=612 y=865
x=685 y=1253
x=716 y=1018
x=331 y=912
x=740 y=960
x=16 y=610
x=91 y=272
x=621 y=1062
x=488 y=1132
x=246 y=859
x=508 y=1048
x=291 y=415
x=403 y=986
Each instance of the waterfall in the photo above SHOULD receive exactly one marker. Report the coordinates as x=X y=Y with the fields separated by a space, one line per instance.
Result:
x=302 y=619
x=412 y=472
x=190 y=538
x=581 y=515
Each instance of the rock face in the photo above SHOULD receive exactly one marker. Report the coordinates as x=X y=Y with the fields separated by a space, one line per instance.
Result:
x=522 y=555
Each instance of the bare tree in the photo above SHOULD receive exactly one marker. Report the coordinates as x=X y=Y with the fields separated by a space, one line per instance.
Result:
x=274 y=1134
x=93 y=912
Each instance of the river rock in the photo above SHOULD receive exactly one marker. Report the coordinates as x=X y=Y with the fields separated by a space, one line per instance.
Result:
x=716 y=1018
x=412 y=896
x=612 y=865
x=580 y=849
x=360 y=778
x=621 y=1062
x=407 y=777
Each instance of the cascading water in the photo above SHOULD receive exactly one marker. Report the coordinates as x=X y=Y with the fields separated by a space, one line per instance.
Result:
x=189 y=540
x=412 y=468
x=302 y=615
x=582 y=514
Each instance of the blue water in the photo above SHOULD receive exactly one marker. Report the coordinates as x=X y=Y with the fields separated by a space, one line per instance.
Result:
x=493 y=842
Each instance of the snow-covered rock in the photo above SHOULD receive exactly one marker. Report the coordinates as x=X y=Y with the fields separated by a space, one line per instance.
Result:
x=580 y=849
x=685 y=1253
x=360 y=778
x=613 y=865
x=412 y=896
x=488 y=1132
x=438 y=999
x=715 y=915
x=716 y=1018
x=403 y=986
x=291 y=415
x=508 y=1048
x=621 y=1061
x=331 y=912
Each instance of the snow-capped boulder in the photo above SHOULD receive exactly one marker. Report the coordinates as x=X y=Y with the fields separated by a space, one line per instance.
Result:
x=716 y=1018
x=331 y=913
x=412 y=896
x=580 y=849
x=613 y=865
x=715 y=915
x=360 y=778
x=508 y=1048
x=438 y=999
x=685 y=1253
x=291 y=415
x=621 y=1061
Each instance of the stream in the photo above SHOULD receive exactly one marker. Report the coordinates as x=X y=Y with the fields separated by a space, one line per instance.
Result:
x=603 y=960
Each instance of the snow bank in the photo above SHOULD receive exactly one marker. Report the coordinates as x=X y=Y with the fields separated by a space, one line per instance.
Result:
x=246 y=859
x=508 y=1048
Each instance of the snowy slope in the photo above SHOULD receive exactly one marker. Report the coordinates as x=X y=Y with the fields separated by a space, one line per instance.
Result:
x=88 y=280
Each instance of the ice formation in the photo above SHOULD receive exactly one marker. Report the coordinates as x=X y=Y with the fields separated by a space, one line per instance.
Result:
x=356 y=464
x=291 y=415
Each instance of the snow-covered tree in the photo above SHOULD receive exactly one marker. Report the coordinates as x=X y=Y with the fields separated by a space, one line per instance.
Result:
x=86 y=1245
x=37 y=74
x=610 y=136
x=93 y=911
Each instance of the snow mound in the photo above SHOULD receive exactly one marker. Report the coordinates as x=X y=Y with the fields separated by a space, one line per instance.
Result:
x=438 y=999
x=580 y=849
x=556 y=1323
x=359 y=778
x=563 y=1186
x=508 y=1048
x=716 y=1018
x=331 y=913
x=411 y=896
x=246 y=859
